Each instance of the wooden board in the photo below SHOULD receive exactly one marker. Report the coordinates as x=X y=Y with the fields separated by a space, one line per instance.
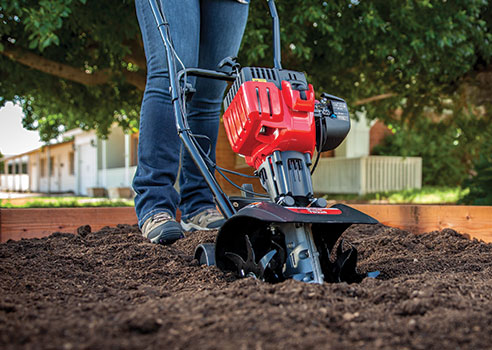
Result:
x=476 y=221
x=36 y=223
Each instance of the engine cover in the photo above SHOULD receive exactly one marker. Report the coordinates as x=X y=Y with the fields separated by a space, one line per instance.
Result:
x=270 y=110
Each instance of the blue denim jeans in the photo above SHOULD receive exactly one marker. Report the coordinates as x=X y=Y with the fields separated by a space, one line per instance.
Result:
x=203 y=33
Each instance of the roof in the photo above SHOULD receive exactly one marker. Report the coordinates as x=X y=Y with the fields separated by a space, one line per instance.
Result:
x=40 y=149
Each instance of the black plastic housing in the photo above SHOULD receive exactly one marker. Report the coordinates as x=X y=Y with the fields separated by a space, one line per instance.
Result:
x=271 y=75
x=332 y=122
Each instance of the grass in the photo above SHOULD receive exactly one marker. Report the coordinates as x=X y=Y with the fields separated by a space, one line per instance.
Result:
x=64 y=202
x=426 y=195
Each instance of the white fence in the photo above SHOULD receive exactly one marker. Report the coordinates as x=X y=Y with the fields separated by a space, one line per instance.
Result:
x=114 y=180
x=14 y=182
x=116 y=177
x=367 y=174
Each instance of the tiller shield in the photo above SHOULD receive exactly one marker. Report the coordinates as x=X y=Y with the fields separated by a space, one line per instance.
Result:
x=274 y=243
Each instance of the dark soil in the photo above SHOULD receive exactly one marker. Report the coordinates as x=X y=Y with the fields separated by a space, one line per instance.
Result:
x=113 y=289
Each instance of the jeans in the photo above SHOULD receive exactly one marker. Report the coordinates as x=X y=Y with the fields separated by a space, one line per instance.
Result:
x=203 y=33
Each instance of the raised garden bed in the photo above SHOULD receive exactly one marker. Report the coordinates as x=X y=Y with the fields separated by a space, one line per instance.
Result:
x=475 y=221
x=112 y=289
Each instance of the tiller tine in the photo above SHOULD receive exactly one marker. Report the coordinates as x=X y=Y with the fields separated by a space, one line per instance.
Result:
x=343 y=267
x=272 y=243
x=250 y=267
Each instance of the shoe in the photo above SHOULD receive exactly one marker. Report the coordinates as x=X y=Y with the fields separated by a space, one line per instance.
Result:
x=208 y=219
x=161 y=228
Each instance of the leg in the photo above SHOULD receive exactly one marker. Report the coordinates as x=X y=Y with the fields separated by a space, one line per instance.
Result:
x=159 y=144
x=222 y=27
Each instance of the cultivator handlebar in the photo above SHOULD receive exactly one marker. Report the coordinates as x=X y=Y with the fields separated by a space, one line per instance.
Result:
x=273 y=119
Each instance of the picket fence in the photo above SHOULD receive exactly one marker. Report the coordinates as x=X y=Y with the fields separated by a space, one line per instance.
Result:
x=367 y=174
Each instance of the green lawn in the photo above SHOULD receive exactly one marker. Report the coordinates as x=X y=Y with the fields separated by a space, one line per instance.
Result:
x=64 y=202
x=426 y=195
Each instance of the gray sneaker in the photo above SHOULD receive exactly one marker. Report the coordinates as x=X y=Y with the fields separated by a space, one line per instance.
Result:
x=208 y=219
x=161 y=228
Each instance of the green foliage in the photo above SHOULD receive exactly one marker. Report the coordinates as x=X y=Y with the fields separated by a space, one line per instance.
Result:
x=90 y=36
x=414 y=49
x=425 y=195
x=447 y=146
x=480 y=186
x=441 y=162
x=1 y=163
x=418 y=50
x=480 y=183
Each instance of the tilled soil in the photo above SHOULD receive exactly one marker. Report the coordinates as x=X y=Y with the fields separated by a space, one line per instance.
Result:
x=113 y=289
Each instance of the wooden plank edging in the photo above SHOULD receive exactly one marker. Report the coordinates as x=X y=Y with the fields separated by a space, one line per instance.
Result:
x=476 y=221
x=40 y=222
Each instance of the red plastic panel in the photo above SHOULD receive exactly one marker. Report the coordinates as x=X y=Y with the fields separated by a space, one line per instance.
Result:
x=319 y=211
x=262 y=119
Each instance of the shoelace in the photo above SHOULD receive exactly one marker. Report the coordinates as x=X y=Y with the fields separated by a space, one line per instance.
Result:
x=161 y=217
x=209 y=215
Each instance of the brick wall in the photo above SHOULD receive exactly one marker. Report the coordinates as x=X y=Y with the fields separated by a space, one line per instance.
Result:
x=377 y=133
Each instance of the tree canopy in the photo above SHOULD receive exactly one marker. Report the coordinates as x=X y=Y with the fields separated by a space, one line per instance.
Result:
x=80 y=63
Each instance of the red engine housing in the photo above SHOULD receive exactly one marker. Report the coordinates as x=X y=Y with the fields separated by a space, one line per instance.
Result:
x=262 y=119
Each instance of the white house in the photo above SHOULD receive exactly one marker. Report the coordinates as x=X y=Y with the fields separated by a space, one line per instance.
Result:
x=90 y=166
x=104 y=164
x=85 y=165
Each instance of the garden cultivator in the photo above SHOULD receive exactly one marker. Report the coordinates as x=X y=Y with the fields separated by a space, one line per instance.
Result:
x=273 y=119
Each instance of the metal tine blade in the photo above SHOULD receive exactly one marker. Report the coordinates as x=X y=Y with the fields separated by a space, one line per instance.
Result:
x=249 y=248
x=236 y=259
x=266 y=259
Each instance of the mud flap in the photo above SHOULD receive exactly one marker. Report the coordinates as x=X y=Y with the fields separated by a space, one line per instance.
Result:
x=265 y=227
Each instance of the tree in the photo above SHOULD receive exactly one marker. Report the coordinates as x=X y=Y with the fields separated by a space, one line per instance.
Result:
x=2 y=169
x=81 y=63
x=71 y=63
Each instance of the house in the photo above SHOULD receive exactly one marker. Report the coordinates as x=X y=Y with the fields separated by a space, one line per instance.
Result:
x=90 y=166
x=84 y=165
x=48 y=169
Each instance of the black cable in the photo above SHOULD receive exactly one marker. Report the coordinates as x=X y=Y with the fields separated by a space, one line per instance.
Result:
x=315 y=163
x=318 y=147
x=239 y=187
x=220 y=170
x=200 y=136
x=237 y=173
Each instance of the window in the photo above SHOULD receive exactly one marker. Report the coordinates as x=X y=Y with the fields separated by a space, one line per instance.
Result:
x=17 y=168
x=52 y=166
x=11 y=169
x=71 y=163
x=42 y=167
x=24 y=168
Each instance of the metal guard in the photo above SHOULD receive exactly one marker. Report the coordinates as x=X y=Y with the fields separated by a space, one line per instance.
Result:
x=268 y=211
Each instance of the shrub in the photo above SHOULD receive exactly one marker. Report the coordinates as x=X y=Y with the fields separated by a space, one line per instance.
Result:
x=480 y=185
x=436 y=143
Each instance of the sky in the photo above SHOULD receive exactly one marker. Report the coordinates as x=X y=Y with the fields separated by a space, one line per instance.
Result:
x=14 y=139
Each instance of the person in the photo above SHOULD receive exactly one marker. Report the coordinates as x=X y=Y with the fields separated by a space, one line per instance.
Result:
x=203 y=33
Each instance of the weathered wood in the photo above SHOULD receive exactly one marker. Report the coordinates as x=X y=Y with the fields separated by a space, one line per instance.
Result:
x=36 y=223
x=475 y=221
